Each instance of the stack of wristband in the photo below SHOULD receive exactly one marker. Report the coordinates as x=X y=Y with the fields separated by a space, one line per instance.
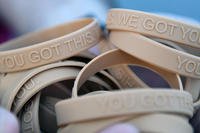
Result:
x=38 y=70
x=43 y=75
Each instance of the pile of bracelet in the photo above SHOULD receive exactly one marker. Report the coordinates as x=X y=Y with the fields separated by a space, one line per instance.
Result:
x=52 y=82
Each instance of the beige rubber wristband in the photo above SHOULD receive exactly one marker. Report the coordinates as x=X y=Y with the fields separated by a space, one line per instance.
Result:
x=123 y=103
x=146 y=123
x=148 y=50
x=154 y=26
x=126 y=77
x=86 y=56
x=29 y=116
x=109 y=59
x=52 y=45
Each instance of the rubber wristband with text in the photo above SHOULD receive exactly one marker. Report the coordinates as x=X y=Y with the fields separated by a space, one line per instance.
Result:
x=154 y=25
x=148 y=50
x=122 y=103
x=51 y=45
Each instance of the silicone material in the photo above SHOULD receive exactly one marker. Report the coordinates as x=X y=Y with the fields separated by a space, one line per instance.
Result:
x=146 y=123
x=109 y=59
x=153 y=25
x=86 y=56
x=126 y=77
x=148 y=50
x=122 y=103
x=52 y=45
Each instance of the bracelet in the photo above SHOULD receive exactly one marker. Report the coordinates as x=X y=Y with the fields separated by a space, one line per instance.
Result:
x=179 y=62
x=154 y=26
x=122 y=103
x=146 y=123
x=86 y=57
x=126 y=77
x=52 y=45
x=109 y=59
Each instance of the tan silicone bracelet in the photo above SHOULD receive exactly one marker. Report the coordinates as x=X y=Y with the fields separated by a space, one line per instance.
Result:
x=86 y=56
x=29 y=116
x=109 y=59
x=44 y=79
x=148 y=50
x=146 y=123
x=154 y=26
x=126 y=77
x=52 y=45
x=122 y=103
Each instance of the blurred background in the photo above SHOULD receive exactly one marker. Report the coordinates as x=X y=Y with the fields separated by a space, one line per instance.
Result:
x=18 y=17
